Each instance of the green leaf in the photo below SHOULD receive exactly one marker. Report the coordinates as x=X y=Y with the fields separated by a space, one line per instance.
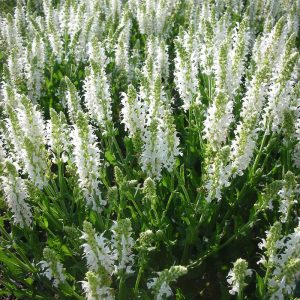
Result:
x=29 y=280
x=11 y=265
x=259 y=285
x=110 y=157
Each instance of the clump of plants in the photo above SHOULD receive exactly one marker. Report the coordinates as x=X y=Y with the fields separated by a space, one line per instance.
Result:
x=149 y=149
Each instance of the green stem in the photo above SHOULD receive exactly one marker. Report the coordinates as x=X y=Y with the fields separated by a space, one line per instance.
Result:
x=168 y=203
x=138 y=279
x=182 y=185
x=264 y=292
x=137 y=208
x=259 y=154
x=60 y=175
x=186 y=193
x=240 y=295
x=120 y=154
x=185 y=252
x=215 y=248
x=122 y=287
x=266 y=275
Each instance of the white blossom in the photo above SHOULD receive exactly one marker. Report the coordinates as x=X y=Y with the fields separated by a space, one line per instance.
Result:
x=97 y=251
x=186 y=68
x=15 y=192
x=87 y=160
x=34 y=58
x=153 y=15
x=161 y=284
x=97 y=97
x=52 y=268
x=288 y=196
x=237 y=276
x=58 y=134
x=95 y=288
x=123 y=243
x=286 y=266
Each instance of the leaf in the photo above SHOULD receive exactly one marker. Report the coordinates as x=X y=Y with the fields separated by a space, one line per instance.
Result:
x=110 y=157
x=29 y=280
x=259 y=285
x=66 y=250
x=11 y=265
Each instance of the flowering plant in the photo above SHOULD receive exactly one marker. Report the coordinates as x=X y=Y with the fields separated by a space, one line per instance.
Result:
x=146 y=145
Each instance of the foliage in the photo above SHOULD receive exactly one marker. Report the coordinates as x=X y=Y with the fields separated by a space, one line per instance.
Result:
x=149 y=149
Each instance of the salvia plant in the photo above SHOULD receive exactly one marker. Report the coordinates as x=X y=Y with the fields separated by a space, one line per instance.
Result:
x=150 y=149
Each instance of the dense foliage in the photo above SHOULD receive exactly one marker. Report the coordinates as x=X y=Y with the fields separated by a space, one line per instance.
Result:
x=149 y=149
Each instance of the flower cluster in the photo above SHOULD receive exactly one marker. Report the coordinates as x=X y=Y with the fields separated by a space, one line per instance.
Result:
x=123 y=243
x=96 y=89
x=266 y=54
x=153 y=16
x=186 y=68
x=148 y=117
x=52 y=267
x=106 y=257
x=288 y=196
x=87 y=161
x=95 y=288
x=160 y=285
x=237 y=276
x=97 y=250
x=282 y=260
x=16 y=193
x=27 y=132
x=58 y=135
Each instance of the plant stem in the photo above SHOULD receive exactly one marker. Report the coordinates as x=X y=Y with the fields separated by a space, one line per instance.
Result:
x=138 y=279
x=120 y=154
x=122 y=287
x=215 y=248
x=259 y=152
x=169 y=202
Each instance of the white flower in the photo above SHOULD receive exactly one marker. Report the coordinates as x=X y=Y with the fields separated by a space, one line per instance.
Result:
x=15 y=192
x=73 y=100
x=52 y=268
x=237 y=276
x=157 y=62
x=52 y=30
x=11 y=32
x=266 y=54
x=186 y=68
x=97 y=97
x=26 y=130
x=122 y=49
x=152 y=15
x=288 y=195
x=160 y=285
x=132 y=112
x=286 y=266
x=218 y=175
x=34 y=58
x=87 y=160
x=33 y=152
x=219 y=117
x=58 y=135
x=148 y=118
x=15 y=65
x=96 y=288
x=164 y=290
x=97 y=250
x=159 y=136
x=282 y=86
x=123 y=244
